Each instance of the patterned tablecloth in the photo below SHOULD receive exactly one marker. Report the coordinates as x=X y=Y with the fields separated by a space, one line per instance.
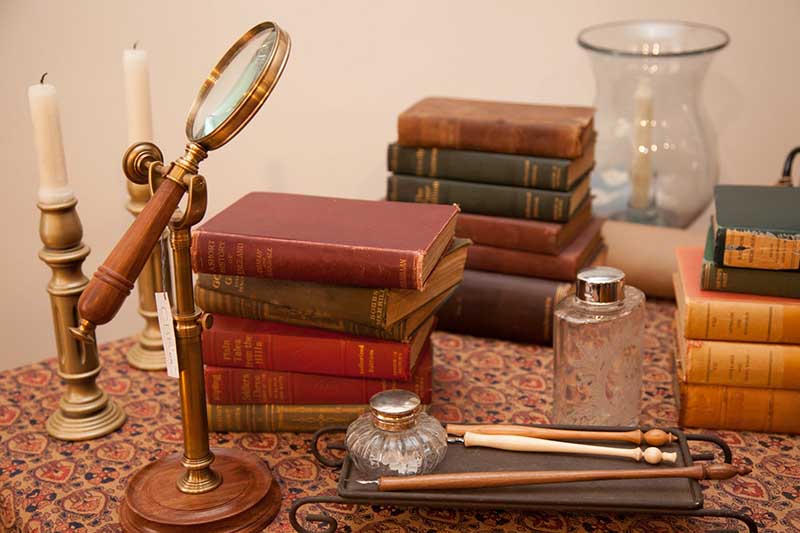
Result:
x=47 y=485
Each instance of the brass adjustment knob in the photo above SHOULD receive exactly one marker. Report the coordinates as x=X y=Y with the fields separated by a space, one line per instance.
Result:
x=206 y=320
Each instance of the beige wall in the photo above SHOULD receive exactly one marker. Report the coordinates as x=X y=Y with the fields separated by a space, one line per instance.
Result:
x=354 y=66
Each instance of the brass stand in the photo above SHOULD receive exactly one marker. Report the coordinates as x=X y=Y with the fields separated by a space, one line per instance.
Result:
x=148 y=352
x=183 y=492
x=85 y=412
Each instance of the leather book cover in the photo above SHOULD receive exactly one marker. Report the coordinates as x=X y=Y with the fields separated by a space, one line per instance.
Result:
x=487 y=126
x=247 y=386
x=564 y=266
x=757 y=227
x=535 y=236
x=501 y=306
x=375 y=307
x=326 y=240
x=781 y=283
x=490 y=167
x=728 y=316
x=242 y=343
x=271 y=418
x=494 y=200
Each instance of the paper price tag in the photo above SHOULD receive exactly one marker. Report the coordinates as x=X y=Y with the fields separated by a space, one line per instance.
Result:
x=164 y=311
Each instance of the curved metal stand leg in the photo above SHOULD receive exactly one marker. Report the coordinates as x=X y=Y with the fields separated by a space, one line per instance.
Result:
x=322 y=519
x=334 y=462
x=752 y=527
x=713 y=439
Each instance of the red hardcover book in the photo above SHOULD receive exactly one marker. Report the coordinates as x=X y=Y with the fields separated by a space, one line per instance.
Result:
x=327 y=240
x=242 y=343
x=249 y=386
x=521 y=234
x=527 y=129
x=564 y=266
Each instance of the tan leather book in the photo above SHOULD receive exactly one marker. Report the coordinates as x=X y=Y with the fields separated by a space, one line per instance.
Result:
x=511 y=128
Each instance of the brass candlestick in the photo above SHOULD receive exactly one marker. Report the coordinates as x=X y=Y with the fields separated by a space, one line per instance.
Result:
x=84 y=412
x=148 y=352
x=181 y=492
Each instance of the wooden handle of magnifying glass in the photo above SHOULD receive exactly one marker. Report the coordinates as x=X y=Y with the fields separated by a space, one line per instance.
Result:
x=113 y=281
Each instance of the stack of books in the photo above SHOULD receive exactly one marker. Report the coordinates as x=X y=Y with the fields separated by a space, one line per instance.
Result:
x=520 y=175
x=738 y=318
x=318 y=304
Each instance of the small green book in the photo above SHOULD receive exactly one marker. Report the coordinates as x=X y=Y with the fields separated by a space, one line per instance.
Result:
x=746 y=280
x=757 y=227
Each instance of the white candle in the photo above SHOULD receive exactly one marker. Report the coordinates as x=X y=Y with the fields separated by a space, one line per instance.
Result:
x=53 y=186
x=641 y=166
x=137 y=95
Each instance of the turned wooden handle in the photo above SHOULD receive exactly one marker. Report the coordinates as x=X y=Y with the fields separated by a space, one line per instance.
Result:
x=518 y=443
x=475 y=480
x=113 y=280
x=654 y=437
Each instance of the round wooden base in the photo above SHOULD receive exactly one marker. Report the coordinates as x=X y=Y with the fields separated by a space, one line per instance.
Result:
x=246 y=501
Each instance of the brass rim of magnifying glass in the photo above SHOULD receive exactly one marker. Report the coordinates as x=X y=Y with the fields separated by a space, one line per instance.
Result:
x=256 y=94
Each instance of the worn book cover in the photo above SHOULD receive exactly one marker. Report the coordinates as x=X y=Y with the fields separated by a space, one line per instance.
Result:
x=757 y=227
x=246 y=386
x=728 y=316
x=564 y=266
x=325 y=240
x=511 y=128
x=375 y=307
x=242 y=343
x=782 y=283
x=495 y=200
x=273 y=418
x=535 y=236
x=490 y=167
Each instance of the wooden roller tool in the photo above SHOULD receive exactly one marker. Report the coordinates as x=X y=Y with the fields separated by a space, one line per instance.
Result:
x=515 y=443
x=653 y=437
x=479 y=480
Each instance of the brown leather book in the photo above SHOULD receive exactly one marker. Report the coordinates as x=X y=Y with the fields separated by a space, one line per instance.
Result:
x=564 y=266
x=526 y=235
x=500 y=306
x=327 y=240
x=526 y=129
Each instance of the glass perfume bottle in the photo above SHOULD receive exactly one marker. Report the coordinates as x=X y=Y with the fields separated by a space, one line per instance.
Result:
x=598 y=351
x=396 y=437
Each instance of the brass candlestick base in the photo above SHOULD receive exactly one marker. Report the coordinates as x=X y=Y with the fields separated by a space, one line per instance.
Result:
x=85 y=412
x=148 y=352
x=247 y=499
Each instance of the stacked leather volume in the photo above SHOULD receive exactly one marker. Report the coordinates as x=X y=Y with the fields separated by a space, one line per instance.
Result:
x=520 y=176
x=318 y=304
x=738 y=334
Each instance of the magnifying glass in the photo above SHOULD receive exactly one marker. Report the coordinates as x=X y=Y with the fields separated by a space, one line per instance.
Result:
x=230 y=96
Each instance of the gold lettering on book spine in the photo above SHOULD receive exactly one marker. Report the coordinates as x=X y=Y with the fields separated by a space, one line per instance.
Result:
x=403 y=273
x=528 y=199
x=428 y=194
x=420 y=154
x=526 y=173
x=434 y=162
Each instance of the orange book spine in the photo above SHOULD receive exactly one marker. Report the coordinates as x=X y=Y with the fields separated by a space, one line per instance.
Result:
x=743 y=321
x=742 y=364
x=739 y=408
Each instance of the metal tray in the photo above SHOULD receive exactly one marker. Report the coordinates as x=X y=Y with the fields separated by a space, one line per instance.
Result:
x=652 y=496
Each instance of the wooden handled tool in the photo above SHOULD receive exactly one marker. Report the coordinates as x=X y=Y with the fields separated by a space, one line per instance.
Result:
x=477 y=480
x=653 y=437
x=515 y=443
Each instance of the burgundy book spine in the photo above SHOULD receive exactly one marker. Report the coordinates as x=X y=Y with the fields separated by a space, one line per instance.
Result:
x=250 y=386
x=501 y=306
x=536 y=236
x=255 y=344
x=264 y=257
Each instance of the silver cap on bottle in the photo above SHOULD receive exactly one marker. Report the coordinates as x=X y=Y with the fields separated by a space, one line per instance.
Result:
x=394 y=409
x=600 y=285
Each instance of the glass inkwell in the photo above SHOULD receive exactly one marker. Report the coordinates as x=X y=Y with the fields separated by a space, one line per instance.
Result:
x=396 y=437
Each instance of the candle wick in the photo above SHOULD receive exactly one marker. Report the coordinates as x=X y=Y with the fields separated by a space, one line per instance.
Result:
x=41 y=80
x=135 y=44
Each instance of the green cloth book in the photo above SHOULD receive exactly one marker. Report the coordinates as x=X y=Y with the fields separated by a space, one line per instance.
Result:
x=757 y=227
x=493 y=200
x=746 y=280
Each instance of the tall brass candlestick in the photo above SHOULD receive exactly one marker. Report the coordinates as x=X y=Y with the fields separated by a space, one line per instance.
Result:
x=148 y=352
x=85 y=411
